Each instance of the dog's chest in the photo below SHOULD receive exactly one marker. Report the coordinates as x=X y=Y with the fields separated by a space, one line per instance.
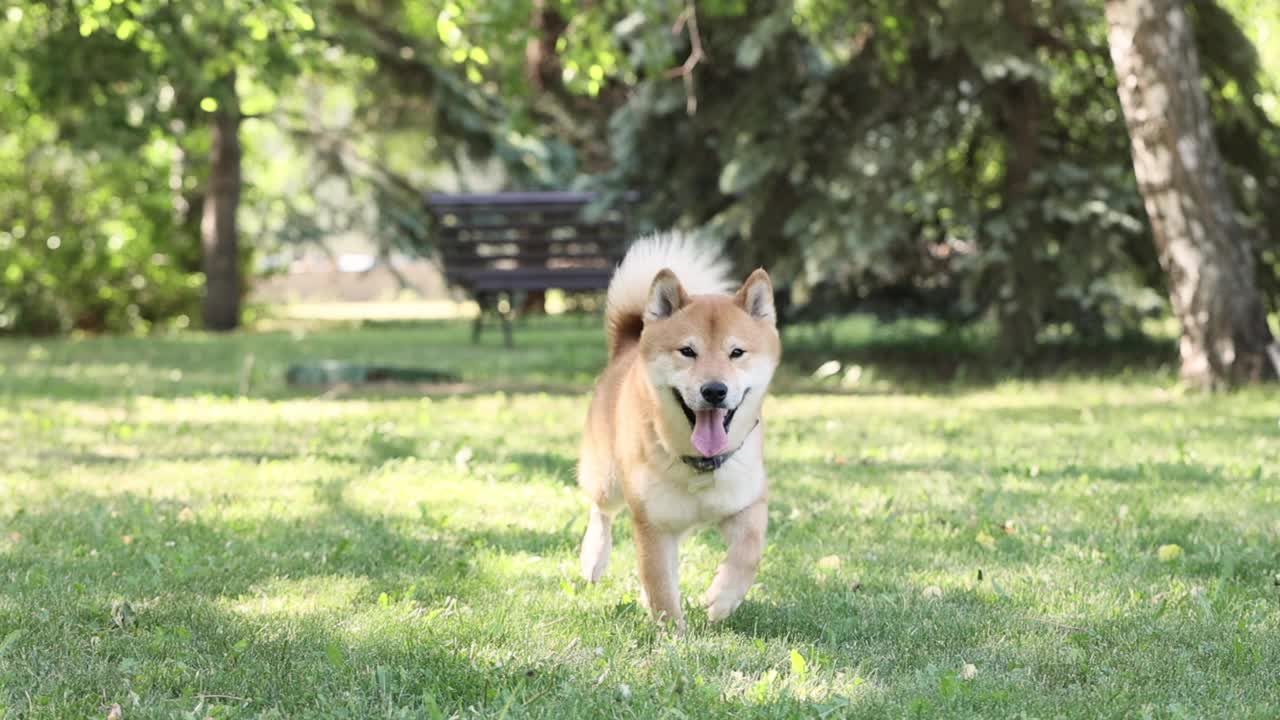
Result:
x=683 y=501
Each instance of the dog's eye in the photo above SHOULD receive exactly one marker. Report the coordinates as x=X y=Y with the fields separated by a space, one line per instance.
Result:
x=736 y=353
x=688 y=352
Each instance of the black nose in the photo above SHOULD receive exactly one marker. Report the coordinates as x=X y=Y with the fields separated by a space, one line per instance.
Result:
x=714 y=392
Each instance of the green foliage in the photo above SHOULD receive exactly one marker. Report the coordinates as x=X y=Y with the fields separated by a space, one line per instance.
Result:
x=1244 y=86
x=79 y=257
x=958 y=158
x=869 y=149
x=855 y=148
x=105 y=194
x=1002 y=550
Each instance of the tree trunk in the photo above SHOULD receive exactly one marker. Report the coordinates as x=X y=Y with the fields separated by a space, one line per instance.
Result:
x=218 y=234
x=1020 y=109
x=1021 y=305
x=1203 y=248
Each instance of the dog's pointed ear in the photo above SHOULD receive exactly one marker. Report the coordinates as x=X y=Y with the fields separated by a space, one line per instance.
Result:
x=756 y=297
x=666 y=296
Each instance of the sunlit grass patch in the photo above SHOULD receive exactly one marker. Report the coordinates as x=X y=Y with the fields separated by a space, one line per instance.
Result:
x=1057 y=548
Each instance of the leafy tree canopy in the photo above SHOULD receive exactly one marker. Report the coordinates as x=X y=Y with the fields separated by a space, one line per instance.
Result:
x=958 y=157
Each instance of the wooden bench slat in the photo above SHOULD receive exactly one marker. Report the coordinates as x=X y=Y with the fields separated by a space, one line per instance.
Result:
x=562 y=279
x=463 y=272
x=534 y=242
x=510 y=242
x=509 y=223
x=505 y=199
x=530 y=262
x=509 y=284
x=493 y=252
x=526 y=264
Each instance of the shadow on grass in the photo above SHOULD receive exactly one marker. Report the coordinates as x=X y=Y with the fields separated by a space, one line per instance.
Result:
x=164 y=552
x=249 y=456
x=564 y=469
x=555 y=357
x=189 y=637
x=919 y=360
x=197 y=583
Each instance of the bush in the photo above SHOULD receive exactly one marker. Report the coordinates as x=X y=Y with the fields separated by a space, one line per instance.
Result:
x=90 y=242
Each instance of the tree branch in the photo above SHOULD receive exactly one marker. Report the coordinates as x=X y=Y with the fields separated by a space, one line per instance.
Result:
x=689 y=19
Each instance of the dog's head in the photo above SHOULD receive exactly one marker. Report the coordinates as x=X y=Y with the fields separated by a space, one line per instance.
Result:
x=711 y=358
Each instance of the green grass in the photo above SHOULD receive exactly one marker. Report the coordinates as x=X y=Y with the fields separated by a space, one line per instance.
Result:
x=170 y=546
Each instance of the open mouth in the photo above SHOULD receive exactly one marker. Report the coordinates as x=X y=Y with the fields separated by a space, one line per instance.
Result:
x=693 y=418
x=710 y=427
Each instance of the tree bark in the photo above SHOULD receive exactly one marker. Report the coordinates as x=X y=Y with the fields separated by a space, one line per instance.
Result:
x=1021 y=304
x=218 y=234
x=1203 y=247
x=1018 y=106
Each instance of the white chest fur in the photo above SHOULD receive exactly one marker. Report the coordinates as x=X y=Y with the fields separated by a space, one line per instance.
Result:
x=677 y=499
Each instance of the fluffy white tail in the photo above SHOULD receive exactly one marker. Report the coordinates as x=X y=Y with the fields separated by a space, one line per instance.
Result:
x=699 y=266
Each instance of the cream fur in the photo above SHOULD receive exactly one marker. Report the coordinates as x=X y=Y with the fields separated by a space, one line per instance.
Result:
x=636 y=430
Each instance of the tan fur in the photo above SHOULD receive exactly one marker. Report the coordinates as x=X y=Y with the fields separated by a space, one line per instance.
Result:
x=636 y=433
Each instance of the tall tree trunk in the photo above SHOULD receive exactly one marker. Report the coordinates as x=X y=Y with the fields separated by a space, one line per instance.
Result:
x=1021 y=305
x=1204 y=250
x=218 y=234
x=1020 y=109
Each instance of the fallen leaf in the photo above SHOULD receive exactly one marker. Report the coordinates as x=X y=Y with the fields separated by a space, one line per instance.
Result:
x=11 y=639
x=463 y=457
x=334 y=653
x=826 y=370
x=969 y=672
x=799 y=667
x=122 y=614
x=115 y=713
x=852 y=375
x=830 y=562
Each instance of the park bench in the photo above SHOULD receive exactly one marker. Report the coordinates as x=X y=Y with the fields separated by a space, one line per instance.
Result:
x=500 y=246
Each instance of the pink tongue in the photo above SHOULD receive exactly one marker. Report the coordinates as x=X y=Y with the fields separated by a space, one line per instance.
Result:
x=709 y=436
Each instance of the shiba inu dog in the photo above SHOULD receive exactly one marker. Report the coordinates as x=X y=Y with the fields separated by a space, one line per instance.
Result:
x=674 y=431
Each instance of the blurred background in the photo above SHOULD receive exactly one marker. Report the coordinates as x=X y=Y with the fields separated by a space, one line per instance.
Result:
x=966 y=164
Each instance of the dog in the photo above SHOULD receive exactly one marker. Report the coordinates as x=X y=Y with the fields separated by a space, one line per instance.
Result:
x=674 y=432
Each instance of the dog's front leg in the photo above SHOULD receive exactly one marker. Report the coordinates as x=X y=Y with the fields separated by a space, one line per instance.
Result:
x=744 y=533
x=658 y=553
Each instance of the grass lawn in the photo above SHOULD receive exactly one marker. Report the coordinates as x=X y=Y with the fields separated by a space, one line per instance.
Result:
x=1055 y=548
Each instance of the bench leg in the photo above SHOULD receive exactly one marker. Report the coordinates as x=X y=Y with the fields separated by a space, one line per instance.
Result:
x=477 y=327
x=534 y=302
x=506 y=328
x=492 y=303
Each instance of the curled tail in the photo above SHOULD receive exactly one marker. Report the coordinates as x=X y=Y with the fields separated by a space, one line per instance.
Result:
x=699 y=266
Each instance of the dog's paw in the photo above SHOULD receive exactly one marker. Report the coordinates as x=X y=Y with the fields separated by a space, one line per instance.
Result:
x=593 y=570
x=594 y=558
x=721 y=605
x=669 y=623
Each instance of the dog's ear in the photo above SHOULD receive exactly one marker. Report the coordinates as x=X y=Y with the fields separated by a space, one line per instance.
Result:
x=756 y=297
x=666 y=296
